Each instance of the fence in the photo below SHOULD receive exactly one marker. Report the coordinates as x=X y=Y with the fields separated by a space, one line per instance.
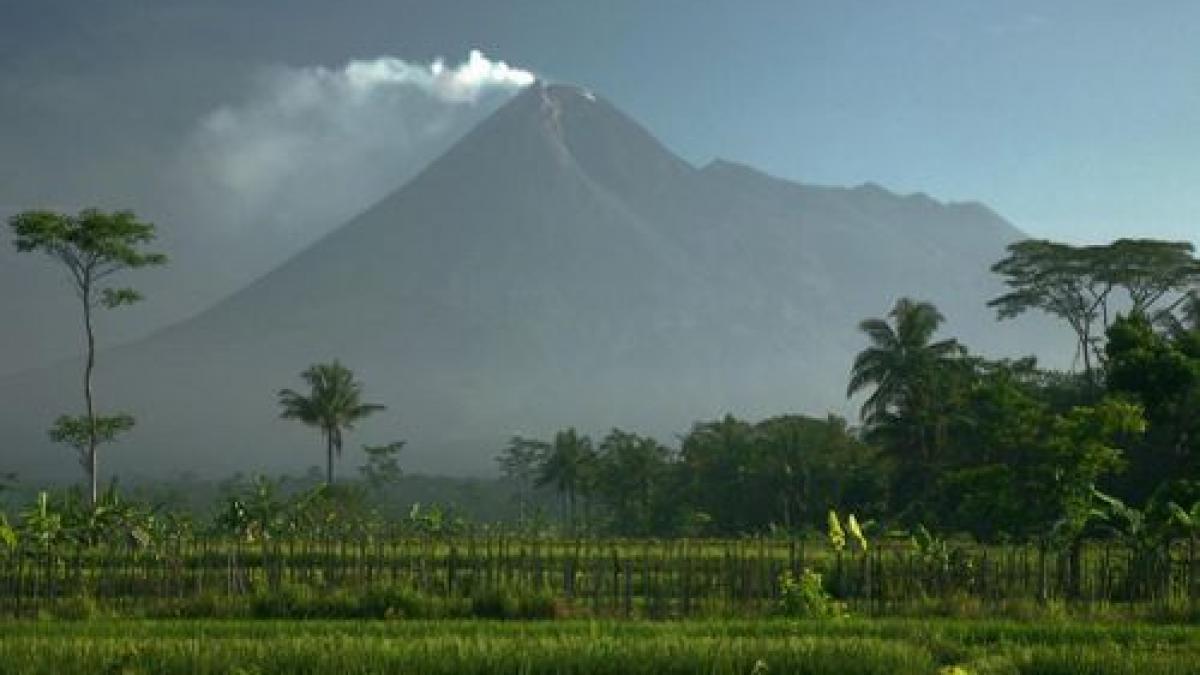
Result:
x=604 y=577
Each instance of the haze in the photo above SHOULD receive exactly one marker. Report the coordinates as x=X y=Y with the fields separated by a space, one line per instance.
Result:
x=250 y=133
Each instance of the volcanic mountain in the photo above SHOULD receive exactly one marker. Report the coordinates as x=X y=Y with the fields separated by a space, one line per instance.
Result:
x=556 y=267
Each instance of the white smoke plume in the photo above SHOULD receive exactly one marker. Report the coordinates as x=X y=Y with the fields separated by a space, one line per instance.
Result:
x=312 y=146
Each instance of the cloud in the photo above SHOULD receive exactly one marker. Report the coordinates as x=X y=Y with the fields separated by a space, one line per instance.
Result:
x=309 y=147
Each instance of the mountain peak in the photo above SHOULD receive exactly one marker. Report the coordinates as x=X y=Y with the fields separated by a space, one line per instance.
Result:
x=590 y=134
x=557 y=243
x=560 y=91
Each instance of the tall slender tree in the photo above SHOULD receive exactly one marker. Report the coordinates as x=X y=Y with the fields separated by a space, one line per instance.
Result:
x=334 y=405
x=93 y=246
x=518 y=462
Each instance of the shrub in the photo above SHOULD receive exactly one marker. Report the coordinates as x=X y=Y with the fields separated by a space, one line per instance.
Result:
x=505 y=603
x=288 y=601
x=77 y=608
x=805 y=597
x=396 y=602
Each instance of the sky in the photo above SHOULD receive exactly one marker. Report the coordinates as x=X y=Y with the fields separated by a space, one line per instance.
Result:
x=235 y=122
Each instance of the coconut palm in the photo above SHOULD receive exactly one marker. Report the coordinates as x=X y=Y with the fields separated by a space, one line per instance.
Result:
x=334 y=404
x=901 y=360
x=908 y=373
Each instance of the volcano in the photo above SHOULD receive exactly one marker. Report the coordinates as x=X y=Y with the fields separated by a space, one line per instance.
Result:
x=556 y=267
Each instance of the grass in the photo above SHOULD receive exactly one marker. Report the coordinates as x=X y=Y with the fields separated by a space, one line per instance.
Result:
x=589 y=647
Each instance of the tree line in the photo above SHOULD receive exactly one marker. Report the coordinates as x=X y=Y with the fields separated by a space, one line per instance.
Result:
x=999 y=449
x=945 y=437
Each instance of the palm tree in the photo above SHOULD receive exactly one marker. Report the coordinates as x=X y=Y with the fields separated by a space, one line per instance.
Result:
x=908 y=373
x=567 y=464
x=333 y=405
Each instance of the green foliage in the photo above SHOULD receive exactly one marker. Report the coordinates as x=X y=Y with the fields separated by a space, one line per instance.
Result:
x=508 y=603
x=291 y=601
x=631 y=479
x=1019 y=468
x=8 y=534
x=717 y=456
x=84 y=433
x=990 y=502
x=68 y=518
x=78 y=608
x=382 y=469
x=436 y=520
x=1131 y=526
x=91 y=243
x=812 y=465
x=1076 y=283
x=1081 y=449
x=783 y=473
x=933 y=551
x=805 y=597
x=40 y=522
x=834 y=533
x=857 y=537
x=1149 y=365
x=900 y=364
x=1162 y=372
x=257 y=514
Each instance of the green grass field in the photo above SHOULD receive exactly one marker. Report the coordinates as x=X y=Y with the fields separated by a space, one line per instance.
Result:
x=848 y=646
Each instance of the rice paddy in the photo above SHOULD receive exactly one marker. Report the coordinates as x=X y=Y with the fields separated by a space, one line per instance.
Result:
x=848 y=646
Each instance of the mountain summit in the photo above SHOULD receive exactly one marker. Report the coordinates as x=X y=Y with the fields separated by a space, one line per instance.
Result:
x=557 y=267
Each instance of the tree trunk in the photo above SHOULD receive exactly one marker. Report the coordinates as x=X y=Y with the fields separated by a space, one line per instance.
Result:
x=1085 y=345
x=328 y=458
x=571 y=506
x=89 y=460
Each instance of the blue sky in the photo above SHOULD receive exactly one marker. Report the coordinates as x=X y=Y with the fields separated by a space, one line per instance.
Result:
x=1076 y=120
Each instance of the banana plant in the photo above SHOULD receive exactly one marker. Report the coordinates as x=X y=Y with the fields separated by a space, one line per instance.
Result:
x=436 y=520
x=257 y=515
x=8 y=534
x=1146 y=543
x=1186 y=520
x=835 y=533
x=932 y=550
x=1127 y=524
x=41 y=523
x=856 y=533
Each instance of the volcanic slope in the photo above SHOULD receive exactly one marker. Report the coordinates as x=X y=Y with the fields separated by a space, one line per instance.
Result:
x=556 y=267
